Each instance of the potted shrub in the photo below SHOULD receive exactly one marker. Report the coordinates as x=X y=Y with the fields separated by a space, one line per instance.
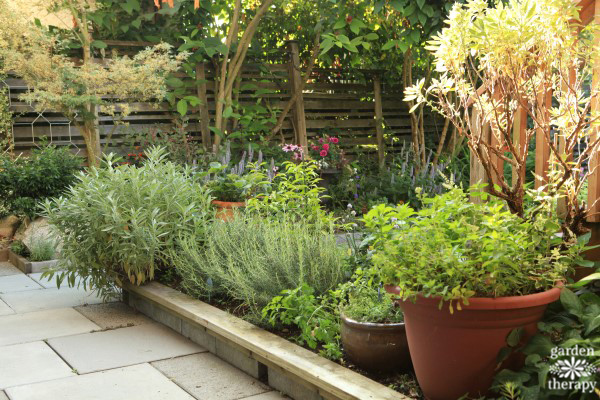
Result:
x=231 y=192
x=372 y=331
x=467 y=275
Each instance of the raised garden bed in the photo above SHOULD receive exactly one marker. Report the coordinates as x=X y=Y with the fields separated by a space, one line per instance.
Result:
x=29 y=267
x=289 y=368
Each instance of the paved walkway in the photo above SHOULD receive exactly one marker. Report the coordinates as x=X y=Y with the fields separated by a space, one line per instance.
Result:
x=65 y=344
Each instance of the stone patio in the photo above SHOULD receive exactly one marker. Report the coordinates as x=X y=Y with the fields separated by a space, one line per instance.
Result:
x=66 y=344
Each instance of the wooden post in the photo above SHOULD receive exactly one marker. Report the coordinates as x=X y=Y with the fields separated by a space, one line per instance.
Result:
x=379 y=120
x=594 y=164
x=296 y=86
x=203 y=106
x=542 y=147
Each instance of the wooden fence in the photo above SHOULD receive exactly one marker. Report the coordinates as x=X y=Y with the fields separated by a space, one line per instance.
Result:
x=346 y=101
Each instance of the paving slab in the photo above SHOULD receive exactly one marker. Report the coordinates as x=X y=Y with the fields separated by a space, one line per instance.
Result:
x=116 y=348
x=46 y=324
x=5 y=310
x=21 y=364
x=36 y=300
x=206 y=376
x=17 y=283
x=138 y=382
x=7 y=268
x=267 y=396
x=49 y=283
x=113 y=315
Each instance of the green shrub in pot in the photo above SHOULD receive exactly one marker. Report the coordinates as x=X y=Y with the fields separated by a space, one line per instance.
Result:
x=468 y=274
x=455 y=249
x=372 y=304
x=119 y=223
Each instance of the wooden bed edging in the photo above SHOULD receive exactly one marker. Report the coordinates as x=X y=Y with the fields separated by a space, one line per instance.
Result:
x=27 y=266
x=275 y=357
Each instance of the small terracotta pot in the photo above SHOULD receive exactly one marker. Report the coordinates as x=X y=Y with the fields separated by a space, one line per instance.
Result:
x=225 y=209
x=375 y=347
x=456 y=354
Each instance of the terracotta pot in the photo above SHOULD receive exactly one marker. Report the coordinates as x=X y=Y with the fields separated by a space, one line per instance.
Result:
x=375 y=347
x=225 y=209
x=456 y=354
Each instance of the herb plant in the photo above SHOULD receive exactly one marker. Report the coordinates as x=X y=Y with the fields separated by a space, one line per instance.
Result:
x=372 y=304
x=293 y=192
x=252 y=259
x=118 y=223
x=455 y=249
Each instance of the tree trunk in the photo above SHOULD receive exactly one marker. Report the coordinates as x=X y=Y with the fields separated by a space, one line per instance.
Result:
x=91 y=137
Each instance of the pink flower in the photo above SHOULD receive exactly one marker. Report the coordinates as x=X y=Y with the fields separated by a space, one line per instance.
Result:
x=335 y=140
x=326 y=147
x=315 y=147
x=323 y=153
x=330 y=140
x=287 y=148
x=321 y=141
x=297 y=156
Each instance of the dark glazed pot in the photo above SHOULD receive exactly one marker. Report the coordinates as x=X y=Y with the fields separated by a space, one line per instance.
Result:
x=456 y=354
x=375 y=347
x=225 y=209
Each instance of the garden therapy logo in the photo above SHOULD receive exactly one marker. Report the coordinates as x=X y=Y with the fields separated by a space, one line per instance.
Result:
x=574 y=363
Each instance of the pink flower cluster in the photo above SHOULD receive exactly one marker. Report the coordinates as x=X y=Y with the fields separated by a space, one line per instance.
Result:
x=297 y=150
x=324 y=148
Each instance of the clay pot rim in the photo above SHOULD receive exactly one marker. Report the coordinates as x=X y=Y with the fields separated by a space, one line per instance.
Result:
x=494 y=303
x=229 y=204
x=370 y=325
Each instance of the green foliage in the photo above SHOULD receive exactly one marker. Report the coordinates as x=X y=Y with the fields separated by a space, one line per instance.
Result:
x=25 y=181
x=42 y=248
x=372 y=304
x=294 y=192
x=455 y=249
x=6 y=116
x=120 y=223
x=233 y=187
x=316 y=317
x=19 y=248
x=571 y=323
x=251 y=259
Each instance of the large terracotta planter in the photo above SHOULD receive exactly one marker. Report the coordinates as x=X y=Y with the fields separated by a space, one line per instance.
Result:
x=225 y=209
x=375 y=347
x=456 y=354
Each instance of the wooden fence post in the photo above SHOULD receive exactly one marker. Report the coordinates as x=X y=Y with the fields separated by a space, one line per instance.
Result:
x=379 y=120
x=298 y=115
x=594 y=164
x=203 y=106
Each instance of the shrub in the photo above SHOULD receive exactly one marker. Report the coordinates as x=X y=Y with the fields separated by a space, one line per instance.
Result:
x=372 y=304
x=251 y=259
x=26 y=181
x=41 y=248
x=294 y=192
x=457 y=249
x=119 y=223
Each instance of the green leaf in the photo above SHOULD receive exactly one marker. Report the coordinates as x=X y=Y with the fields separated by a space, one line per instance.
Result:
x=340 y=24
x=378 y=6
x=593 y=325
x=391 y=43
x=182 y=107
x=99 y=44
x=174 y=82
x=228 y=111
x=397 y=5
x=514 y=337
x=539 y=344
x=372 y=36
x=420 y=3
x=571 y=302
